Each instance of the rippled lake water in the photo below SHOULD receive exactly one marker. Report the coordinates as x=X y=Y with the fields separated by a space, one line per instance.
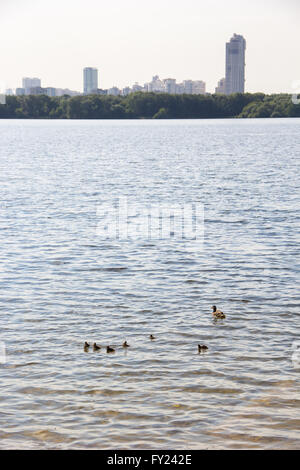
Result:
x=61 y=283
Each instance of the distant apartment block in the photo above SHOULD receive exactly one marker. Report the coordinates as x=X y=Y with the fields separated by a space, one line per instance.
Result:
x=90 y=80
x=38 y=90
x=221 y=88
x=198 y=87
x=126 y=91
x=114 y=91
x=169 y=85
x=29 y=83
x=188 y=87
x=136 y=87
x=99 y=91
x=179 y=89
x=20 y=91
x=50 y=91
x=156 y=85
x=62 y=92
x=235 y=65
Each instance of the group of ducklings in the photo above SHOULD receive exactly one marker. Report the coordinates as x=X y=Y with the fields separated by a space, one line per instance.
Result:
x=108 y=348
x=215 y=313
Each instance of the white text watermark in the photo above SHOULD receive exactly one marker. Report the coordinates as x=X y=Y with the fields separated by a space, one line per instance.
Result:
x=120 y=220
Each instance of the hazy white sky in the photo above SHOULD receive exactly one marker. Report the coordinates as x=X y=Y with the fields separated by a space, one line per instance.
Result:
x=132 y=40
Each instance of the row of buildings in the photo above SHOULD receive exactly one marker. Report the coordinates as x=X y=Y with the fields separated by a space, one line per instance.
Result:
x=233 y=82
x=168 y=85
x=32 y=86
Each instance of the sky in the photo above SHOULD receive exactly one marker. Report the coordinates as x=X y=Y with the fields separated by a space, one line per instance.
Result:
x=133 y=40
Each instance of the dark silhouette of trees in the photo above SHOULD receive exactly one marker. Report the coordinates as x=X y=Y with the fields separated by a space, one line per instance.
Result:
x=149 y=106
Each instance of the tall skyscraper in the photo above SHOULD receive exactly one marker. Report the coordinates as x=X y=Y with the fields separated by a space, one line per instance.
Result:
x=90 y=80
x=235 y=65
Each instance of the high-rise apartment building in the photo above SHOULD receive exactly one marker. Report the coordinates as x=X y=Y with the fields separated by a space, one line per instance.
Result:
x=170 y=85
x=188 y=86
x=90 y=80
x=235 y=65
x=221 y=88
x=199 y=87
x=194 y=87
x=29 y=83
x=156 y=85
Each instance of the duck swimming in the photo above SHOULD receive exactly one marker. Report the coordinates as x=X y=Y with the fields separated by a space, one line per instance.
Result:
x=86 y=345
x=96 y=347
x=217 y=313
x=126 y=345
x=202 y=347
x=109 y=349
x=152 y=337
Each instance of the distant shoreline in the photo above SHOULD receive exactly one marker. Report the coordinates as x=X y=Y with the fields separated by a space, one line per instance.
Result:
x=150 y=106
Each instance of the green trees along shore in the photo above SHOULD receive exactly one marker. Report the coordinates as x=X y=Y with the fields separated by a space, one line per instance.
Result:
x=150 y=106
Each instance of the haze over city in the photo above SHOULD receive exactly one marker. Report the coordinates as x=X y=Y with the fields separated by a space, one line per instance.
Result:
x=132 y=41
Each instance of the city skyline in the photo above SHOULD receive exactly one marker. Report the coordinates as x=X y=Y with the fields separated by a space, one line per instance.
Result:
x=33 y=86
x=127 y=44
x=234 y=82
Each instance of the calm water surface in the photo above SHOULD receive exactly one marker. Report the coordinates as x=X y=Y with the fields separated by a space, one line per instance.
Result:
x=62 y=284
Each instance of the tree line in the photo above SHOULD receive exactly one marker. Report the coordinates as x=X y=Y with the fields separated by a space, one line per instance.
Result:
x=150 y=106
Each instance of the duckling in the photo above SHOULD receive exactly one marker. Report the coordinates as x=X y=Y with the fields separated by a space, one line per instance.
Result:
x=126 y=345
x=96 y=347
x=86 y=345
x=109 y=349
x=217 y=313
x=152 y=337
x=202 y=348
